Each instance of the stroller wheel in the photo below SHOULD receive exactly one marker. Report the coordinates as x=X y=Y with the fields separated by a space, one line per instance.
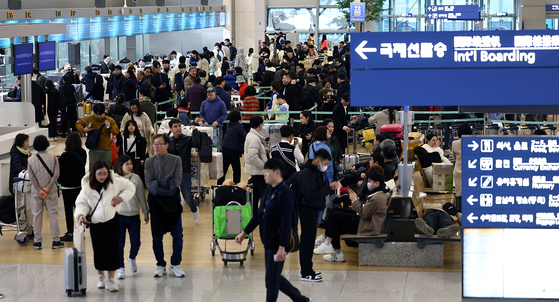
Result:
x=23 y=242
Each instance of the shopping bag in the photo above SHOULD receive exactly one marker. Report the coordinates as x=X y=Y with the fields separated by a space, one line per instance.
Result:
x=220 y=220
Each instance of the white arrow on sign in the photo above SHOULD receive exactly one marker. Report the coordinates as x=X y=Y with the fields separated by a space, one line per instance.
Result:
x=361 y=49
x=472 y=182
x=473 y=145
x=472 y=164
x=471 y=200
x=472 y=218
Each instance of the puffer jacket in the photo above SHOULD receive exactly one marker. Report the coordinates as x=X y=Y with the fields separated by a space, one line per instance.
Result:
x=255 y=153
x=18 y=163
x=88 y=198
x=240 y=60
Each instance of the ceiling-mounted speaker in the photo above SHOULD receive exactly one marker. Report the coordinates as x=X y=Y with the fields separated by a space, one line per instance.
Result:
x=160 y=2
x=14 y=4
x=100 y=3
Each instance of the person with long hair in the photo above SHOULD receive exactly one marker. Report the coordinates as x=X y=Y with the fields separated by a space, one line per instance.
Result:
x=129 y=215
x=43 y=171
x=306 y=130
x=386 y=115
x=19 y=155
x=97 y=93
x=324 y=43
x=53 y=102
x=100 y=198
x=142 y=121
x=133 y=144
x=130 y=85
x=72 y=162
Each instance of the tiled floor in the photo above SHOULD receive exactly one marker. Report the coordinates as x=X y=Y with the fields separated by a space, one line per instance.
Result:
x=43 y=282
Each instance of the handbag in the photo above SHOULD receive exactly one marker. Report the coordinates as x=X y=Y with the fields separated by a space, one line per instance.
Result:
x=79 y=237
x=46 y=120
x=93 y=138
x=220 y=219
x=88 y=216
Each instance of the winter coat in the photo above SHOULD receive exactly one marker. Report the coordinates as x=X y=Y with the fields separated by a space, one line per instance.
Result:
x=235 y=136
x=240 y=60
x=38 y=174
x=255 y=153
x=18 y=163
x=204 y=65
x=457 y=173
x=213 y=64
x=88 y=198
x=372 y=213
x=89 y=80
x=73 y=165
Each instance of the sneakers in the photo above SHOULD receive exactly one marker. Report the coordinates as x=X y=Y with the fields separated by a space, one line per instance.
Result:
x=320 y=239
x=101 y=281
x=67 y=237
x=315 y=273
x=37 y=245
x=196 y=215
x=133 y=266
x=57 y=245
x=308 y=299
x=160 y=271
x=324 y=248
x=111 y=286
x=448 y=231
x=423 y=227
x=311 y=278
x=177 y=270
x=337 y=256
x=120 y=273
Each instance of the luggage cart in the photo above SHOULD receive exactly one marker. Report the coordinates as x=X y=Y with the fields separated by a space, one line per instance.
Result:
x=229 y=196
x=198 y=191
x=22 y=225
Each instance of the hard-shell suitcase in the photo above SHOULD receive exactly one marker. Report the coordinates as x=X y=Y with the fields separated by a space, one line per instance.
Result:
x=396 y=131
x=415 y=139
x=75 y=273
x=348 y=160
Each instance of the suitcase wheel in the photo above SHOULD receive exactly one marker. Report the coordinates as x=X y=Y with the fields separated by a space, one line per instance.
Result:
x=69 y=292
x=83 y=292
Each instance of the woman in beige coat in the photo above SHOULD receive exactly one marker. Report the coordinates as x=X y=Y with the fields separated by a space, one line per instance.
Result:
x=143 y=121
x=387 y=115
x=464 y=129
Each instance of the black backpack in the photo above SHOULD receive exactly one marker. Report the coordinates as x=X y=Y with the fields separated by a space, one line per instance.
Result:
x=148 y=58
x=303 y=98
x=7 y=209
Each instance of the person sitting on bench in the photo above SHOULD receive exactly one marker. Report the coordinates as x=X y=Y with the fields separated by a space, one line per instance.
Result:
x=439 y=219
x=427 y=160
x=363 y=218
x=358 y=172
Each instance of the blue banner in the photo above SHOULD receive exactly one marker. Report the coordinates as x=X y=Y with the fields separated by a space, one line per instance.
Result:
x=453 y=12
x=510 y=182
x=47 y=55
x=552 y=7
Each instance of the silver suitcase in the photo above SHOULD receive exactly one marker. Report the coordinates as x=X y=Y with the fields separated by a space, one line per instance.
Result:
x=349 y=160
x=75 y=273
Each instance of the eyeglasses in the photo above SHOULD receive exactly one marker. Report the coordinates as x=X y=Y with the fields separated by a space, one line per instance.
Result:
x=101 y=174
x=158 y=144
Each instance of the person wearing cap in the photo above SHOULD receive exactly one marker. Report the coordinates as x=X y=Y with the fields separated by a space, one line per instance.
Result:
x=242 y=85
x=196 y=94
x=105 y=64
x=213 y=110
x=222 y=93
x=341 y=117
x=72 y=77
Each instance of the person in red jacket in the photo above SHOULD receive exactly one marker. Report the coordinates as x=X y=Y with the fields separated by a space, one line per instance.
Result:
x=241 y=81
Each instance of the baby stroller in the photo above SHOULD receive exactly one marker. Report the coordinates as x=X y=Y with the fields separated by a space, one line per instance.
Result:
x=232 y=211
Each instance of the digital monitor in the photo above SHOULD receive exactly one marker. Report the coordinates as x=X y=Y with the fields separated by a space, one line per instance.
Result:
x=47 y=55
x=23 y=59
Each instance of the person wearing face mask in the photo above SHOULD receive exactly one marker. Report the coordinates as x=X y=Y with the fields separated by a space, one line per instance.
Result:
x=364 y=217
x=321 y=136
x=311 y=190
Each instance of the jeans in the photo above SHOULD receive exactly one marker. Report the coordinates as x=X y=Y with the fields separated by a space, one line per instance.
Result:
x=69 y=196
x=275 y=282
x=233 y=158
x=176 y=258
x=340 y=223
x=186 y=190
x=438 y=220
x=132 y=223
x=309 y=219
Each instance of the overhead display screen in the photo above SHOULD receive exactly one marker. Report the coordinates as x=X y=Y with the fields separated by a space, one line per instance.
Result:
x=79 y=29
x=23 y=59
x=46 y=55
x=510 y=210
x=470 y=68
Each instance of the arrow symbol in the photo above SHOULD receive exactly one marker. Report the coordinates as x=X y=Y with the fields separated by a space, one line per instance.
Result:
x=472 y=164
x=361 y=49
x=472 y=218
x=472 y=182
x=471 y=200
x=473 y=145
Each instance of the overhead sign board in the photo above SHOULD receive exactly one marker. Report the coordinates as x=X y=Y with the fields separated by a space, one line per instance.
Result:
x=510 y=216
x=453 y=12
x=357 y=12
x=552 y=7
x=470 y=68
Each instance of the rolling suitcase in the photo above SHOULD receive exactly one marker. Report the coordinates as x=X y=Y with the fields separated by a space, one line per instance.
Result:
x=415 y=139
x=348 y=160
x=75 y=273
x=395 y=131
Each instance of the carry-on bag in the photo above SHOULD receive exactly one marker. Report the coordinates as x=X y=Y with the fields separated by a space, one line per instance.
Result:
x=395 y=131
x=75 y=273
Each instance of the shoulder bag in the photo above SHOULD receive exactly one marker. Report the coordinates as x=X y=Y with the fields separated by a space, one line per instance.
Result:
x=93 y=138
x=49 y=172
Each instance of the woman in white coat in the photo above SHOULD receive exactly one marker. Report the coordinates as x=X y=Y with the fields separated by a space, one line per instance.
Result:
x=100 y=197
x=142 y=120
x=252 y=62
x=240 y=59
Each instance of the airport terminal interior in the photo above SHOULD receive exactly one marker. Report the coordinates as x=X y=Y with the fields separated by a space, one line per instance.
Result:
x=416 y=196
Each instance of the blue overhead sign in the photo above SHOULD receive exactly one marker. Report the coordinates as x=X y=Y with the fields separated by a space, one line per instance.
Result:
x=552 y=7
x=510 y=182
x=471 y=68
x=453 y=12
x=357 y=12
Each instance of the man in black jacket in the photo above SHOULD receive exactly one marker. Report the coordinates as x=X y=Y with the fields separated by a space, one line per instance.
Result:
x=181 y=146
x=311 y=191
x=275 y=213
x=341 y=117
x=161 y=83
x=69 y=93
x=105 y=64
x=118 y=81
x=88 y=79
x=291 y=93
x=312 y=95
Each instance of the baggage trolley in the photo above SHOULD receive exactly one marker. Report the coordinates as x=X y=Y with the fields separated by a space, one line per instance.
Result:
x=229 y=197
x=22 y=225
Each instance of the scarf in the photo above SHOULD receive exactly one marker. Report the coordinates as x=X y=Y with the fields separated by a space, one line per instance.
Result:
x=25 y=152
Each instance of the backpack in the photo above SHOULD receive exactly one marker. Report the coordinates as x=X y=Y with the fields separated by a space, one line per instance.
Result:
x=293 y=245
x=148 y=58
x=7 y=209
x=303 y=98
